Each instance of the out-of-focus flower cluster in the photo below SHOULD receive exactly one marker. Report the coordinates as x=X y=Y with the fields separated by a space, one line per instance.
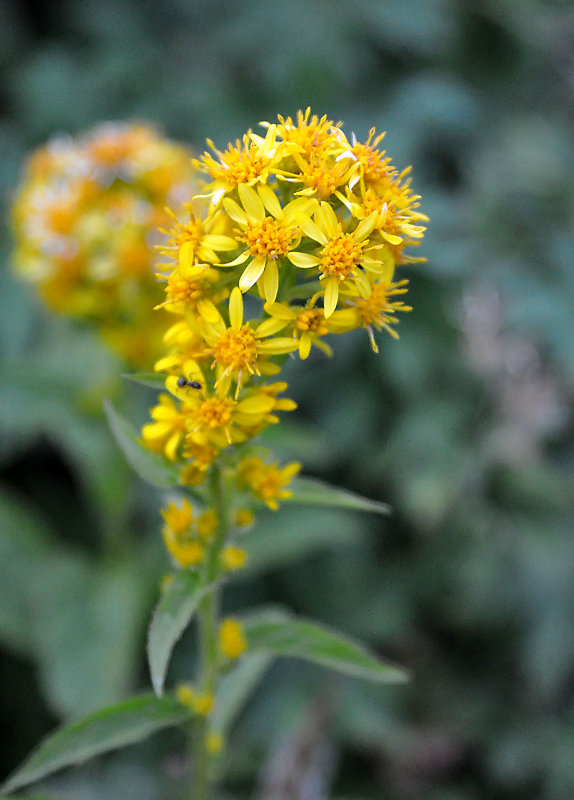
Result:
x=86 y=220
x=296 y=234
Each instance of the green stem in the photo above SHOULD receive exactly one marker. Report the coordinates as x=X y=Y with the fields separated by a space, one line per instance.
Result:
x=208 y=614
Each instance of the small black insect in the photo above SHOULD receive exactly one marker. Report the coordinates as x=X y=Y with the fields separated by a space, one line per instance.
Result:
x=183 y=382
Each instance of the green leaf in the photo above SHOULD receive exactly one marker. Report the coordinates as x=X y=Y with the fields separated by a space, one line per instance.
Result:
x=277 y=632
x=235 y=688
x=25 y=546
x=150 y=466
x=155 y=380
x=311 y=530
x=171 y=617
x=107 y=729
x=310 y=491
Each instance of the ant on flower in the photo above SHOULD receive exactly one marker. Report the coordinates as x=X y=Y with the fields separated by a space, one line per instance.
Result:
x=183 y=382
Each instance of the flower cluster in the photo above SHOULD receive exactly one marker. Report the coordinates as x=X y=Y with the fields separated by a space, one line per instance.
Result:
x=295 y=235
x=86 y=218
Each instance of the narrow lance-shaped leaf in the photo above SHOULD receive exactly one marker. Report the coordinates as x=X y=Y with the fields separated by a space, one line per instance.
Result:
x=155 y=380
x=105 y=730
x=310 y=491
x=171 y=617
x=235 y=688
x=282 y=635
x=150 y=466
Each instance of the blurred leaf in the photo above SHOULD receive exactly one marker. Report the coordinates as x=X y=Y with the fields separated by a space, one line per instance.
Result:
x=235 y=689
x=274 y=631
x=105 y=730
x=278 y=540
x=86 y=622
x=151 y=379
x=150 y=466
x=175 y=610
x=24 y=546
x=309 y=491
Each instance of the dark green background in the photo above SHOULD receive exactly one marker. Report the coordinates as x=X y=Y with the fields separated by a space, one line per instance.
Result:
x=464 y=425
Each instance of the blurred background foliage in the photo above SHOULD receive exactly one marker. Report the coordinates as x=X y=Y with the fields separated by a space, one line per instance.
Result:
x=464 y=425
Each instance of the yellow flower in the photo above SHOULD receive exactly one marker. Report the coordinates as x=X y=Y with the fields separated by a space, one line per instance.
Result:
x=214 y=742
x=198 y=703
x=244 y=517
x=85 y=220
x=247 y=162
x=167 y=432
x=240 y=350
x=218 y=421
x=186 y=554
x=343 y=257
x=307 y=135
x=309 y=324
x=207 y=525
x=178 y=519
x=270 y=233
x=267 y=481
x=233 y=558
x=193 y=242
x=378 y=310
x=231 y=639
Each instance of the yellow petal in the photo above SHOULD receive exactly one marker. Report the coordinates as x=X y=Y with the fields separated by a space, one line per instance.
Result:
x=391 y=238
x=363 y=284
x=271 y=326
x=258 y=404
x=208 y=310
x=172 y=445
x=313 y=231
x=271 y=281
x=235 y=211
x=270 y=200
x=331 y=296
x=186 y=257
x=327 y=220
x=241 y=259
x=251 y=202
x=279 y=310
x=155 y=430
x=236 y=308
x=252 y=273
x=282 y=344
x=365 y=227
x=305 y=345
x=219 y=242
x=303 y=260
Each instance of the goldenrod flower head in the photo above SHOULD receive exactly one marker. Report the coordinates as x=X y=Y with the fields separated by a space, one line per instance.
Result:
x=207 y=525
x=298 y=235
x=199 y=703
x=247 y=162
x=214 y=742
x=179 y=519
x=231 y=639
x=184 y=540
x=233 y=558
x=85 y=220
x=244 y=517
x=267 y=481
x=167 y=432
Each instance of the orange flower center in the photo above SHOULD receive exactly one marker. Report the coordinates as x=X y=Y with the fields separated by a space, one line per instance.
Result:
x=322 y=178
x=183 y=290
x=375 y=166
x=268 y=238
x=237 y=349
x=340 y=256
x=312 y=320
x=216 y=412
